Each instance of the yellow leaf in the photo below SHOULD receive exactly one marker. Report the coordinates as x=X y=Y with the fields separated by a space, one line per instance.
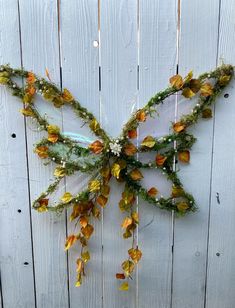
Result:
x=184 y=156
x=182 y=206
x=124 y=286
x=59 y=172
x=87 y=231
x=135 y=254
x=128 y=267
x=223 y=80
x=85 y=256
x=115 y=170
x=177 y=191
x=148 y=142
x=152 y=192
x=187 y=92
x=71 y=239
x=94 y=125
x=176 y=81
x=135 y=217
x=136 y=175
x=67 y=96
x=28 y=112
x=67 y=197
x=188 y=77
x=53 y=129
x=94 y=186
x=126 y=222
x=206 y=89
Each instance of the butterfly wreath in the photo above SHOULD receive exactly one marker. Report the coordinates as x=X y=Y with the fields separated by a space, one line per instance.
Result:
x=106 y=158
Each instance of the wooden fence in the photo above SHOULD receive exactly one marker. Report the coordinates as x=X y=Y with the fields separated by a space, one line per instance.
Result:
x=113 y=55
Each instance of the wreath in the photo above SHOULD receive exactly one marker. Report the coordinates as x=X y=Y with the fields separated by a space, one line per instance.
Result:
x=118 y=158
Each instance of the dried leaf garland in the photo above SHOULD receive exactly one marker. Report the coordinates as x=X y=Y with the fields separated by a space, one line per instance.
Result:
x=115 y=158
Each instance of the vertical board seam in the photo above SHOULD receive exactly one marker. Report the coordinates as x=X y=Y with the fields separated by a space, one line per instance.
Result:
x=27 y=163
x=178 y=6
x=211 y=167
x=62 y=124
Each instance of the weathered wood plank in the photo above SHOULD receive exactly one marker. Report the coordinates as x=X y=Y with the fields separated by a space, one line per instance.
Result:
x=221 y=251
x=17 y=280
x=40 y=49
x=80 y=74
x=158 y=50
x=118 y=33
x=197 y=51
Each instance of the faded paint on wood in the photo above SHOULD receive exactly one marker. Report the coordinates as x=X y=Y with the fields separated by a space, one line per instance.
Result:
x=15 y=231
x=190 y=234
x=157 y=61
x=80 y=74
x=201 y=272
x=40 y=50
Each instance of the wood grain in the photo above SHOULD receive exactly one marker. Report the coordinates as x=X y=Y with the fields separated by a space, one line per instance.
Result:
x=40 y=50
x=15 y=232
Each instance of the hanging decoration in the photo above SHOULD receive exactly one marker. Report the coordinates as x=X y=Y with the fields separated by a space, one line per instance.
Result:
x=106 y=158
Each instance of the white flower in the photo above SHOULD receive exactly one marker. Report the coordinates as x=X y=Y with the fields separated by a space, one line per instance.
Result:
x=115 y=147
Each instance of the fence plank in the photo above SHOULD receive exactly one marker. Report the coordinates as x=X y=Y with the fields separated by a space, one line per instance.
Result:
x=118 y=32
x=80 y=74
x=40 y=49
x=190 y=233
x=221 y=252
x=158 y=50
x=15 y=233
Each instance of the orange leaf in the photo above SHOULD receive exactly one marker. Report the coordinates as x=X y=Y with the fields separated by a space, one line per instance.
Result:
x=52 y=138
x=132 y=133
x=136 y=175
x=47 y=74
x=120 y=276
x=126 y=222
x=87 y=231
x=67 y=96
x=101 y=200
x=160 y=159
x=83 y=221
x=31 y=78
x=71 y=239
x=141 y=116
x=80 y=265
x=176 y=81
x=130 y=149
x=96 y=147
x=184 y=156
x=42 y=151
x=152 y=192
x=178 y=127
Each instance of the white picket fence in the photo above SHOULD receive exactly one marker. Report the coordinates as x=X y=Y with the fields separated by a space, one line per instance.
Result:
x=187 y=262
